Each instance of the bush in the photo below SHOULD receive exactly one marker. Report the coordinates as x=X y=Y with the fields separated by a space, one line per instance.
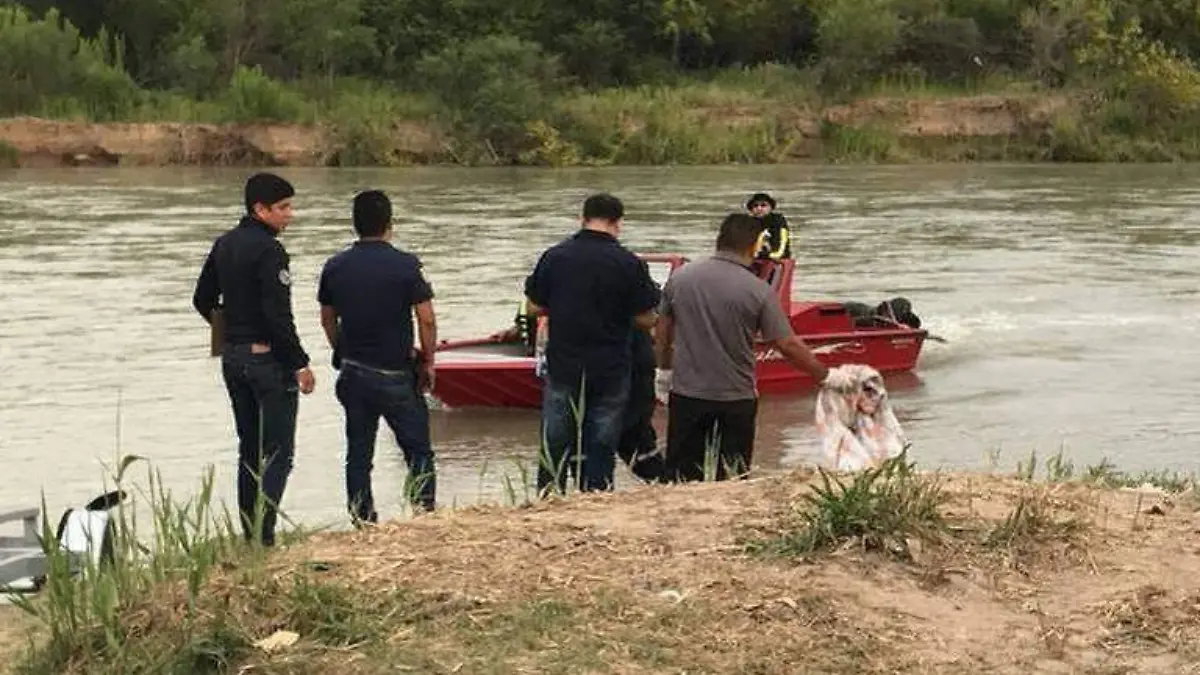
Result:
x=945 y=48
x=45 y=64
x=363 y=119
x=857 y=40
x=254 y=97
x=490 y=88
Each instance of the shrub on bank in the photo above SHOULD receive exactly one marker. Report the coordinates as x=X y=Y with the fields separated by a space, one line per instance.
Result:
x=46 y=67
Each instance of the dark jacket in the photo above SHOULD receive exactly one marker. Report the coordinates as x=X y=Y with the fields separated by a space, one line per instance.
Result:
x=246 y=275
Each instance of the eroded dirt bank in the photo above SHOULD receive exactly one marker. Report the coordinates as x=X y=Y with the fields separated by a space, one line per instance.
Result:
x=35 y=142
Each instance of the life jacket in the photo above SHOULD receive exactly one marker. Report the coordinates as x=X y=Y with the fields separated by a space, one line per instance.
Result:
x=855 y=419
x=527 y=327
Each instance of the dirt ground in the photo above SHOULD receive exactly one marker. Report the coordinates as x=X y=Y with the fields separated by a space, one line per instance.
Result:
x=1118 y=592
x=14 y=626
x=659 y=580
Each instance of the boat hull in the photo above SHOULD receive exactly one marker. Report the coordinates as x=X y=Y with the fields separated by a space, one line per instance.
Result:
x=480 y=374
x=486 y=373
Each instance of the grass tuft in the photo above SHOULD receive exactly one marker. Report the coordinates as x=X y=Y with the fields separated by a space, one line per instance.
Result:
x=10 y=157
x=880 y=508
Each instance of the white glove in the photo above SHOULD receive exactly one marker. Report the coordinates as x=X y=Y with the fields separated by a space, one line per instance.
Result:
x=662 y=385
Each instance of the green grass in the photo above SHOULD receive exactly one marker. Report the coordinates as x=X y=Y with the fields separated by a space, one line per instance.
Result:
x=1059 y=469
x=879 y=509
x=9 y=156
x=1032 y=520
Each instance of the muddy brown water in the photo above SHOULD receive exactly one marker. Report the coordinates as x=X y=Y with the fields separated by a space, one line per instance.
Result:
x=1068 y=296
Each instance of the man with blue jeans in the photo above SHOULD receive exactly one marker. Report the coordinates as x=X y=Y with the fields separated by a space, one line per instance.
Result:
x=244 y=293
x=369 y=294
x=594 y=293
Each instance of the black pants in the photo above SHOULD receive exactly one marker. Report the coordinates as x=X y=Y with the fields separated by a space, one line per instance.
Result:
x=639 y=441
x=709 y=439
x=366 y=395
x=264 y=396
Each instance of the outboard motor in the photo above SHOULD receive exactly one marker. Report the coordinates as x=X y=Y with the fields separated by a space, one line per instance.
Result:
x=887 y=313
x=900 y=311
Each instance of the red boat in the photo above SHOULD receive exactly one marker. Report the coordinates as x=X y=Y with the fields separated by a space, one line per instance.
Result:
x=488 y=372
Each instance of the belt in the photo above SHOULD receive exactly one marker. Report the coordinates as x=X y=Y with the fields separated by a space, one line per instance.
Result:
x=373 y=369
x=251 y=347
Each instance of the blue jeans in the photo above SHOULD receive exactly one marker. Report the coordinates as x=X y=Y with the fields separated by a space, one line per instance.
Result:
x=264 y=396
x=366 y=395
x=600 y=428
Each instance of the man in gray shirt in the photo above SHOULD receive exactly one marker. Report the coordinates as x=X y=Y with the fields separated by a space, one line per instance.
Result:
x=711 y=313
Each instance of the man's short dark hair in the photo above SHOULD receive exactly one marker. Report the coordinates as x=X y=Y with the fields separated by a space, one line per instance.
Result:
x=603 y=207
x=267 y=189
x=739 y=232
x=372 y=213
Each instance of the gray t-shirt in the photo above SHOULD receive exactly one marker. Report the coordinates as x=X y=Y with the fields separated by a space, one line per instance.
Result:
x=718 y=307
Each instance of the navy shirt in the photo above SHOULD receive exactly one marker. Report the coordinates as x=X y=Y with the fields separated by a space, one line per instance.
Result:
x=373 y=287
x=591 y=288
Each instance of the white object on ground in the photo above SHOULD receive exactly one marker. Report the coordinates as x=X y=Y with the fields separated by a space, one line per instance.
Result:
x=855 y=419
x=662 y=385
x=280 y=639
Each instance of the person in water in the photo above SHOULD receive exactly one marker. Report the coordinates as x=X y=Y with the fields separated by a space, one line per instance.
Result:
x=777 y=244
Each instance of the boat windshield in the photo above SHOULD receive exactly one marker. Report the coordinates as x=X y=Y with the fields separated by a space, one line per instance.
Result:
x=659 y=271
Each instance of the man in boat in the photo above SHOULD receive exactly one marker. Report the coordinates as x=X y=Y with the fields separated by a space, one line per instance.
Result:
x=594 y=293
x=369 y=294
x=711 y=312
x=777 y=244
x=244 y=291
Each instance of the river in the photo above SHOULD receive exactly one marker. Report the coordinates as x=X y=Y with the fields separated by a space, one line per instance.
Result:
x=1067 y=296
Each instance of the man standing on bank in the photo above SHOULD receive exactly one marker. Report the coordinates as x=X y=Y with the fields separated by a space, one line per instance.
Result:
x=369 y=294
x=712 y=310
x=595 y=293
x=245 y=284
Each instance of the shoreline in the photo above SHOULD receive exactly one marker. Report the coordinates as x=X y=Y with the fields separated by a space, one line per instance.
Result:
x=1070 y=572
x=882 y=129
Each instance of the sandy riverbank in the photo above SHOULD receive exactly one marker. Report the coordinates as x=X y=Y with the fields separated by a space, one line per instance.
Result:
x=1021 y=578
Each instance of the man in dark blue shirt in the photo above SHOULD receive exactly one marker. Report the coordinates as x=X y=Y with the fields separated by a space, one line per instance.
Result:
x=595 y=292
x=244 y=292
x=369 y=294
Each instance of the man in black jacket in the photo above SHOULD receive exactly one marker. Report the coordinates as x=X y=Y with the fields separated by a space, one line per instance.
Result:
x=246 y=279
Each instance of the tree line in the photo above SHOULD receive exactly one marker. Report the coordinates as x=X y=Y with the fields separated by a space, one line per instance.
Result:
x=479 y=64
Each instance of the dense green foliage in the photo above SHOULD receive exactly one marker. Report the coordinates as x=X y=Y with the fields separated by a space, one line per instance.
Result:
x=602 y=80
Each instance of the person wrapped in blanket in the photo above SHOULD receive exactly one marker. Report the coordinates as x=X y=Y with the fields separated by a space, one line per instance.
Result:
x=855 y=420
